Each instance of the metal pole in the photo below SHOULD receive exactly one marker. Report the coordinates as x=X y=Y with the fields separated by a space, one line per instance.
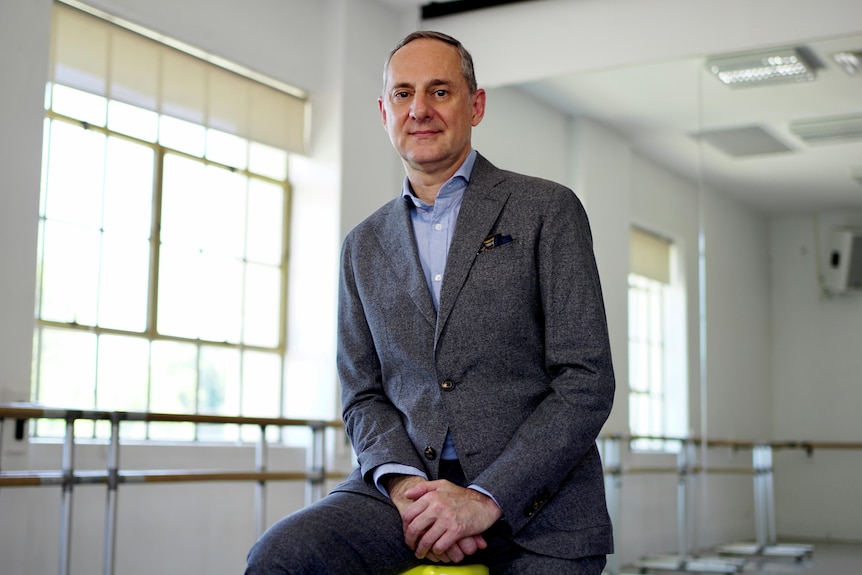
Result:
x=260 y=487
x=66 y=497
x=759 y=497
x=111 y=507
x=682 y=504
x=315 y=463
x=769 y=496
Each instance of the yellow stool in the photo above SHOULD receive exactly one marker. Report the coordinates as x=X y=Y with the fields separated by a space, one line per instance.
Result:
x=444 y=569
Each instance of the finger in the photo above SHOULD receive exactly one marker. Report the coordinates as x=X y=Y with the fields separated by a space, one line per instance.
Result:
x=415 y=530
x=430 y=541
x=409 y=514
x=480 y=541
x=421 y=489
x=454 y=554
x=431 y=556
x=467 y=546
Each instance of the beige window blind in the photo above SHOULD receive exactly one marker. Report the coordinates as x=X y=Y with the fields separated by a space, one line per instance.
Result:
x=650 y=255
x=97 y=56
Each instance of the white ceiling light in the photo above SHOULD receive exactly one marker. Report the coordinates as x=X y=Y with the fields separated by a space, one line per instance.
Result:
x=834 y=130
x=756 y=68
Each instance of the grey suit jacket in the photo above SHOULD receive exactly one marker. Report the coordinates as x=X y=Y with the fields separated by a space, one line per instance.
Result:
x=516 y=365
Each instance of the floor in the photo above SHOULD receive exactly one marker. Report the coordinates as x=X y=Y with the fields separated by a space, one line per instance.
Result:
x=828 y=558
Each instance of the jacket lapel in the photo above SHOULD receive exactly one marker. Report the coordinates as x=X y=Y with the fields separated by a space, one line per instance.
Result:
x=480 y=209
x=399 y=243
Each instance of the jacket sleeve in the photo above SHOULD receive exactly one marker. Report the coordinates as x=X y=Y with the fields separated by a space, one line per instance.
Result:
x=553 y=449
x=373 y=424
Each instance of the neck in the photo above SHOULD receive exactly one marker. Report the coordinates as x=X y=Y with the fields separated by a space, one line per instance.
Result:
x=426 y=183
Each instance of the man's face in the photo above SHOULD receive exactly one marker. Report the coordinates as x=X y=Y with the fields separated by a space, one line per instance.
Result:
x=427 y=108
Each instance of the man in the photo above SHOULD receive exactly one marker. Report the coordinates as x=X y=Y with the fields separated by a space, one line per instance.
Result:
x=473 y=356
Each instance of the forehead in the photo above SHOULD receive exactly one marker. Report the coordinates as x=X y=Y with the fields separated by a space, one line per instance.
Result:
x=424 y=60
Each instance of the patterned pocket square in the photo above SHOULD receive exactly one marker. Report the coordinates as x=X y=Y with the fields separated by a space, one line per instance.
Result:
x=494 y=241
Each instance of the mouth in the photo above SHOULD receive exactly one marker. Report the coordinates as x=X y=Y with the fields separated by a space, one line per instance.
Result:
x=423 y=134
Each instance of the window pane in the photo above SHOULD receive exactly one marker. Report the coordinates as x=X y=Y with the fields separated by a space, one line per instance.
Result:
x=261 y=376
x=182 y=136
x=79 y=105
x=648 y=371
x=75 y=170
x=128 y=188
x=262 y=306
x=179 y=272
x=219 y=299
x=227 y=149
x=123 y=287
x=656 y=366
x=173 y=387
x=221 y=212
x=219 y=391
x=265 y=222
x=123 y=373
x=67 y=368
x=133 y=121
x=267 y=161
x=70 y=271
x=182 y=198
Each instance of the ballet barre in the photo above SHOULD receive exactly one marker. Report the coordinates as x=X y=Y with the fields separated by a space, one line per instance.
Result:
x=67 y=477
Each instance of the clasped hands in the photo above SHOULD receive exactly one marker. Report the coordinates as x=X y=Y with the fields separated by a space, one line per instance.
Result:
x=442 y=521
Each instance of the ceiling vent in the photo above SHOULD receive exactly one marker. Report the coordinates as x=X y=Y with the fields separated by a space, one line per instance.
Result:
x=743 y=142
x=835 y=130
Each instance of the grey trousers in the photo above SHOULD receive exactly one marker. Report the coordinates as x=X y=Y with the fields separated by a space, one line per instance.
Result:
x=349 y=533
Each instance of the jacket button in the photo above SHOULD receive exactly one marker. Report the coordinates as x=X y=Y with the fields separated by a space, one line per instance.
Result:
x=448 y=385
x=430 y=453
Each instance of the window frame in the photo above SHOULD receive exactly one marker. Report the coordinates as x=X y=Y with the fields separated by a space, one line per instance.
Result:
x=150 y=334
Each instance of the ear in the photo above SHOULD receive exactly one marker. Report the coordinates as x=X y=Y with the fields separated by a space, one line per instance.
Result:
x=478 y=103
x=382 y=109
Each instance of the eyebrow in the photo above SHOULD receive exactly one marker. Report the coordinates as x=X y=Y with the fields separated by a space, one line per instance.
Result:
x=433 y=82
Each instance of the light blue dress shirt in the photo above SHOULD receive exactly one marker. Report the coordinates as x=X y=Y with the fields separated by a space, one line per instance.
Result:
x=433 y=228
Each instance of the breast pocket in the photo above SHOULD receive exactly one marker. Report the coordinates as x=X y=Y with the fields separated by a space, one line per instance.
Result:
x=504 y=259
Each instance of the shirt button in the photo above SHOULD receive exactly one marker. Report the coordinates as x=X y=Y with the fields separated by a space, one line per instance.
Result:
x=438 y=227
x=448 y=385
x=430 y=453
x=438 y=277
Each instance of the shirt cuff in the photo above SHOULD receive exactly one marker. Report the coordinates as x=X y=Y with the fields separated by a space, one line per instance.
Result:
x=481 y=490
x=394 y=469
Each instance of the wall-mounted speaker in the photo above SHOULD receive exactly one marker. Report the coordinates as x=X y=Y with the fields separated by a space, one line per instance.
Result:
x=845 y=261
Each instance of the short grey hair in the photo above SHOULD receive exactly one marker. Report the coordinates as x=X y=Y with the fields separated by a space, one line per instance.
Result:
x=466 y=59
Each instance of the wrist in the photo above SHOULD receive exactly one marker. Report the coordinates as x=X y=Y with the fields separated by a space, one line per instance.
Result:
x=396 y=483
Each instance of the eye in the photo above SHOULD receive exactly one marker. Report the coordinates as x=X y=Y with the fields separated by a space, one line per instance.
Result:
x=400 y=95
x=441 y=93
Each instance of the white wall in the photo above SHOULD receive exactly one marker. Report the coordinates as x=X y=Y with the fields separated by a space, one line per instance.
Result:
x=817 y=383
x=739 y=375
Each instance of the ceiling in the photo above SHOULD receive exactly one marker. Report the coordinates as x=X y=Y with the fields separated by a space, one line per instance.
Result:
x=663 y=107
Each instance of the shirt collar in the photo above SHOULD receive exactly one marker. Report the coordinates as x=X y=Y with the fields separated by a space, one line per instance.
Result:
x=461 y=176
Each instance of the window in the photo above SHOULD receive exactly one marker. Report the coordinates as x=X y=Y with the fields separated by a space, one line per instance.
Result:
x=163 y=226
x=657 y=350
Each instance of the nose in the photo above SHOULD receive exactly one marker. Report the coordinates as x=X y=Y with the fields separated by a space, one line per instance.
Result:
x=420 y=108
